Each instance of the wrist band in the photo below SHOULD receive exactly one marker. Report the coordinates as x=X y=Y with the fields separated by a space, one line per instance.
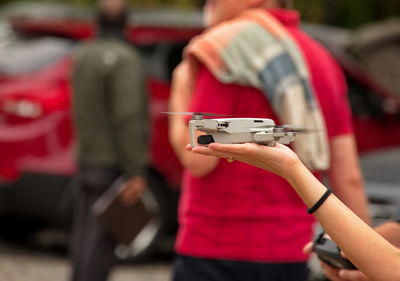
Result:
x=319 y=202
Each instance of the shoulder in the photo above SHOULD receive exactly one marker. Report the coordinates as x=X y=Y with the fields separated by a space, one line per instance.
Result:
x=324 y=68
x=86 y=49
x=109 y=52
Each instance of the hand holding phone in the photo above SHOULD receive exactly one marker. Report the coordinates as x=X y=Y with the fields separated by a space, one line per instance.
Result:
x=328 y=252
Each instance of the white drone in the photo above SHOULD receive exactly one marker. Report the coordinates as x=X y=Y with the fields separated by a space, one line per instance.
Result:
x=238 y=130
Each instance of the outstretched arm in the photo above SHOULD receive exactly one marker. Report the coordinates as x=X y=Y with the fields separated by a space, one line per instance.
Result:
x=360 y=243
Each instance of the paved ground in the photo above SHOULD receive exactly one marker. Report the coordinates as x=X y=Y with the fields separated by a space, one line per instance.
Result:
x=19 y=264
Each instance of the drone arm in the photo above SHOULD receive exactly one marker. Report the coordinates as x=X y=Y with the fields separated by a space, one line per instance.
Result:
x=264 y=138
x=198 y=165
x=192 y=134
x=193 y=126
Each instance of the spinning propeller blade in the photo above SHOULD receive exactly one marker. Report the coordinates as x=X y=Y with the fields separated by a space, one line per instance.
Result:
x=296 y=129
x=196 y=113
x=289 y=128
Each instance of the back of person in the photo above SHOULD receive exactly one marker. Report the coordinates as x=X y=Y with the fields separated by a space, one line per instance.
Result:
x=100 y=69
x=111 y=120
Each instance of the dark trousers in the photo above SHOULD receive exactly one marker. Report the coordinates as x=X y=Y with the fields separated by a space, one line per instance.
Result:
x=92 y=247
x=197 y=269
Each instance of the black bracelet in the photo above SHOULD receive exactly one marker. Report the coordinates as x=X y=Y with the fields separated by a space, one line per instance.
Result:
x=320 y=202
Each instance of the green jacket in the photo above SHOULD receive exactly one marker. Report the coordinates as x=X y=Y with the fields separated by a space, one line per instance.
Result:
x=110 y=106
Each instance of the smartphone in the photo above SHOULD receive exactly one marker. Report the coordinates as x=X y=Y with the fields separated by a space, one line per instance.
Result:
x=328 y=252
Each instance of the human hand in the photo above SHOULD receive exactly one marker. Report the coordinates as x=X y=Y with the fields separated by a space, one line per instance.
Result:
x=132 y=189
x=278 y=159
x=336 y=274
x=308 y=248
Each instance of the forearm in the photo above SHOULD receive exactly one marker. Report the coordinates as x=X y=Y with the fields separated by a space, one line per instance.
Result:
x=360 y=243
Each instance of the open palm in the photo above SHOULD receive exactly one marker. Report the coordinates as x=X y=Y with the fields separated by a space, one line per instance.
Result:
x=278 y=159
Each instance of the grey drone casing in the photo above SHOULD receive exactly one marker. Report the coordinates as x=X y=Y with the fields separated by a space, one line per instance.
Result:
x=240 y=130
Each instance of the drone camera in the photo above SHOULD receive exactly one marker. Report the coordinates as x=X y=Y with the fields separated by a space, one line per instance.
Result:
x=205 y=139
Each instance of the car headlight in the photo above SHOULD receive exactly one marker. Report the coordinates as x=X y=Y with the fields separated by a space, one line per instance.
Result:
x=22 y=108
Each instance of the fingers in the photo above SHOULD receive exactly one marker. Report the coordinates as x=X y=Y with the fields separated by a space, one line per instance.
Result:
x=335 y=274
x=210 y=152
x=352 y=275
x=229 y=149
x=234 y=148
x=220 y=150
x=131 y=192
x=308 y=248
x=330 y=272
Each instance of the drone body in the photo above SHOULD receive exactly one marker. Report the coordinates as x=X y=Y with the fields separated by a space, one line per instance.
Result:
x=239 y=130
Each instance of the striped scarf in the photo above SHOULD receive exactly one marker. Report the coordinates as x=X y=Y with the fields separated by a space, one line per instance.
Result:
x=255 y=50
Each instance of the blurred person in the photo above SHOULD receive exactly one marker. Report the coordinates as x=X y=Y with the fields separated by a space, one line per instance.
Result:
x=237 y=222
x=369 y=250
x=111 y=120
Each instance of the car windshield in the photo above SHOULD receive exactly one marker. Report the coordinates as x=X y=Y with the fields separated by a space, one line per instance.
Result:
x=19 y=55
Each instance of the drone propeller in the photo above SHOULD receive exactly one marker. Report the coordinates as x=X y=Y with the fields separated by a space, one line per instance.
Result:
x=196 y=113
x=302 y=131
x=296 y=129
x=287 y=128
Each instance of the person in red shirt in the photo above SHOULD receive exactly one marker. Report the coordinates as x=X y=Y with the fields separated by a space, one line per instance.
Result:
x=238 y=222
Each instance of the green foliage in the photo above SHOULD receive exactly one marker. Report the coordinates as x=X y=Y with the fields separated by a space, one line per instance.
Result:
x=150 y=3
x=346 y=13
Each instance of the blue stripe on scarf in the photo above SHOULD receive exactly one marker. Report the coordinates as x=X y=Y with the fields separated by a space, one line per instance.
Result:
x=278 y=74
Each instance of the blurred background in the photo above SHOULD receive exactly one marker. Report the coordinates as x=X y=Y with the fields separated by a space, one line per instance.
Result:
x=37 y=41
x=335 y=12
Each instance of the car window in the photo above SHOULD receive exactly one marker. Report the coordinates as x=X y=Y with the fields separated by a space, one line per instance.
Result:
x=363 y=101
x=161 y=59
x=382 y=62
x=20 y=55
x=377 y=45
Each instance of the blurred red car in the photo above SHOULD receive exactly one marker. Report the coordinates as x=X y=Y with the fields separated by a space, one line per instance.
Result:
x=36 y=136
